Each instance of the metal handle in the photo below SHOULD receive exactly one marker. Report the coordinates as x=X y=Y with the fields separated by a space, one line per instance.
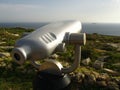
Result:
x=76 y=62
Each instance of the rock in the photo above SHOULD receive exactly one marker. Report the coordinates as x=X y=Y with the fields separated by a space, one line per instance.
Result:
x=118 y=49
x=103 y=76
x=112 y=86
x=98 y=64
x=4 y=54
x=89 y=79
x=101 y=83
x=2 y=43
x=16 y=35
x=2 y=64
x=112 y=72
x=86 y=61
x=103 y=58
x=54 y=56
x=11 y=34
x=116 y=45
x=96 y=74
x=116 y=64
x=9 y=66
x=117 y=80
x=65 y=64
x=77 y=77
x=92 y=78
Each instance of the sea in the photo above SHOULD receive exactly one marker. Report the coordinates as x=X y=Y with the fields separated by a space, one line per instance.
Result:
x=100 y=28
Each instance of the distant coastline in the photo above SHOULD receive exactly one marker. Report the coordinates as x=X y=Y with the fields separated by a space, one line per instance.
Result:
x=23 y=25
x=100 y=28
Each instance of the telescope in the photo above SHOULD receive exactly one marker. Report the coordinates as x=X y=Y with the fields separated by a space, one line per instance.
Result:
x=47 y=40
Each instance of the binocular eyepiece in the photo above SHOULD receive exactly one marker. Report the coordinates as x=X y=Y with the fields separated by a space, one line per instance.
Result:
x=19 y=54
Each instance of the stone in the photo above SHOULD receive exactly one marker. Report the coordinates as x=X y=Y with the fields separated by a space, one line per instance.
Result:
x=54 y=56
x=11 y=34
x=112 y=72
x=112 y=86
x=98 y=64
x=16 y=35
x=2 y=64
x=72 y=75
x=86 y=61
x=103 y=58
x=2 y=43
x=117 y=80
x=92 y=78
x=116 y=64
x=96 y=74
x=112 y=44
x=89 y=78
x=4 y=54
x=118 y=49
x=77 y=77
x=101 y=83
x=9 y=66
x=103 y=76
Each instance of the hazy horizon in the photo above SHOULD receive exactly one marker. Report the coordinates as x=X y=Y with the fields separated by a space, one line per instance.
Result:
x=61 y=20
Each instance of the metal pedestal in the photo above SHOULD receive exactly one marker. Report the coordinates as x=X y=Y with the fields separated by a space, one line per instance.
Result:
x=46 y=81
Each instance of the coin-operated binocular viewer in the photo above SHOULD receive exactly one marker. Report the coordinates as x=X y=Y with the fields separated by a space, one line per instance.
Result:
x=45 y=41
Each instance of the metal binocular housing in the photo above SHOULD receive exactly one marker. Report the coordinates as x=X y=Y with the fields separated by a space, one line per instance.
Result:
x=47 y=40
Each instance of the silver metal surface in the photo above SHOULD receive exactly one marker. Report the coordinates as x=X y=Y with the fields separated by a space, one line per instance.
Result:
x=52 y=67
x=77 y=39
x=42 y=42
x=47 y=40
x=76 y=62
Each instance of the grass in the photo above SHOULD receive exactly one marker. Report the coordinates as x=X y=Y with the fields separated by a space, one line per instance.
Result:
x=6 y=85
x=15 y=77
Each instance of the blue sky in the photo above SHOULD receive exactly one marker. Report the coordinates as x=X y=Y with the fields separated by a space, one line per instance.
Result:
x=57 y=10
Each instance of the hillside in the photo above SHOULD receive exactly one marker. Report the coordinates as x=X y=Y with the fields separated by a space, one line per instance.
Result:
x=99 y=68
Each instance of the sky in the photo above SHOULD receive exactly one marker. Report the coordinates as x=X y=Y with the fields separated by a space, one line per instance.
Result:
x=59 y=10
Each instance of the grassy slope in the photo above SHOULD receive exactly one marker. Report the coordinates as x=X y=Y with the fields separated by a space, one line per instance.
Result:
x=14 y=77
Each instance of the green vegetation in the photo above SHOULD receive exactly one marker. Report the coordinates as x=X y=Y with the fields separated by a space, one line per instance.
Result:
x=15 y=77
x=10 y=35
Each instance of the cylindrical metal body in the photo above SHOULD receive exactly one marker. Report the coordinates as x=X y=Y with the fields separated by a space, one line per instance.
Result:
x=42 y=42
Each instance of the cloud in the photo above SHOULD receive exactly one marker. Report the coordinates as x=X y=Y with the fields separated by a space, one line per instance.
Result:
x=117 y=1
x=20 y=6
x=21 y=12
x=60 y=10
